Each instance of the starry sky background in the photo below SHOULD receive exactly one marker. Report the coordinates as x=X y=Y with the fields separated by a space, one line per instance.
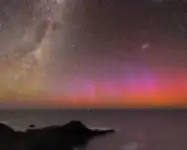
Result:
x=98 y=53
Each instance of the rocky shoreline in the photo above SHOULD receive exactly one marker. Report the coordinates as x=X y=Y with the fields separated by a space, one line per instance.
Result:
x=63 y=137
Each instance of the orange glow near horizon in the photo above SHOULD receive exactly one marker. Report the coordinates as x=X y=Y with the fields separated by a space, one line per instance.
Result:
x=168 y=89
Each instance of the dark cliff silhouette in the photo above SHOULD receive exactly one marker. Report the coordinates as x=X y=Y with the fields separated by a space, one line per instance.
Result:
x=66 y=137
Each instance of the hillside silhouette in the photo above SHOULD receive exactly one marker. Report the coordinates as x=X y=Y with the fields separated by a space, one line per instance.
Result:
x=65 y=137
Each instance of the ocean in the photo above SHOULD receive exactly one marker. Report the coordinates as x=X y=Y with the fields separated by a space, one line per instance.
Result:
x=136 y=129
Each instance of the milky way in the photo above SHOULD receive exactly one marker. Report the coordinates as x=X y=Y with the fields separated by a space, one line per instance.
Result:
x=25 y=59
x=111 y=52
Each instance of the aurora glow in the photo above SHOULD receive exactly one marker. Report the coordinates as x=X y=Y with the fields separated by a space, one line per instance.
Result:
x=57 y=53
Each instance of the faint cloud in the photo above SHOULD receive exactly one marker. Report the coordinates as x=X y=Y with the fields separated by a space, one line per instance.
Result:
x=59 y=1
x=133 y=146
x=145 y=46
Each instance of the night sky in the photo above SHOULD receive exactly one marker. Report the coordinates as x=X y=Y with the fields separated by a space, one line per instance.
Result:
x=99 y=53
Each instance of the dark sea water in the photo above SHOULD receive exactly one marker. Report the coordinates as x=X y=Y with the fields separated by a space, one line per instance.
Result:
x=137 y=129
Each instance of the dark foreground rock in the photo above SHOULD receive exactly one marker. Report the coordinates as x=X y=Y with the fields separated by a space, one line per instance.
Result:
x=66 y=137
